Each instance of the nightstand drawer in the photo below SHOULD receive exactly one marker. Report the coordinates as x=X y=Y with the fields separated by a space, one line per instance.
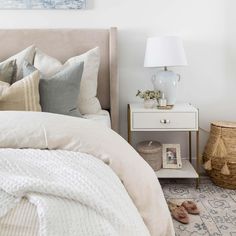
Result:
x=155 y=120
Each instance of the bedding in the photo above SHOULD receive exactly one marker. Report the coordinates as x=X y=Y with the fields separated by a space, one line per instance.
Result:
x=102 y=117
x=21 y=220
x=82 y=138
x=75 y=193
x=8 y=71
x=23 y=95
x=59 y=92
x=88 y=103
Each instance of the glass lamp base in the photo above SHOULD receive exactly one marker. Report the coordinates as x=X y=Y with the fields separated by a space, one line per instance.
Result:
x=167 y=83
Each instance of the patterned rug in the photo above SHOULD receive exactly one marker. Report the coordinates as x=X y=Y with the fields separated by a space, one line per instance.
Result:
x=217 y=206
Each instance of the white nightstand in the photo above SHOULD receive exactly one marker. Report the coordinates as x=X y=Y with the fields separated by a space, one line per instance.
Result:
x=183 y=117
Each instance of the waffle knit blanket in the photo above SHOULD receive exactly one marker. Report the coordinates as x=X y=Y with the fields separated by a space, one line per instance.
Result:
x=75 y=193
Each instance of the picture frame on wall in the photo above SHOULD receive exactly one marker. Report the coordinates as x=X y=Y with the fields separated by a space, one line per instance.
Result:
x=43 y=4
x=171 y=156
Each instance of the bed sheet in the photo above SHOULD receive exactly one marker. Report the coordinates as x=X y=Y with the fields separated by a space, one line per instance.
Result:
x=102 y=117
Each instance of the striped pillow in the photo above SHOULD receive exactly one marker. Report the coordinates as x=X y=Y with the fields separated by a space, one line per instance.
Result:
x=23 y=95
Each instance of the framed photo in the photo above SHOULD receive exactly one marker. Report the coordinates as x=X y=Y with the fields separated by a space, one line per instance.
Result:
x=171 y=157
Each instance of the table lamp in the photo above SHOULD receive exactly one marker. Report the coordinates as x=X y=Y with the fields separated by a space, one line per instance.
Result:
x=165 y=52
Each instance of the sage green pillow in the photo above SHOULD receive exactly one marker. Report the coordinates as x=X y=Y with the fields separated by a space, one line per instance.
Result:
x=8 y=71
x=59 y=92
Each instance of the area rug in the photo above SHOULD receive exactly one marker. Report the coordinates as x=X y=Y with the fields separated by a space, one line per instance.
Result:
x=217 y=206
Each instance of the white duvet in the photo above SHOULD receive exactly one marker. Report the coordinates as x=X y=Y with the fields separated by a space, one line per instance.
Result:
x=30 y=176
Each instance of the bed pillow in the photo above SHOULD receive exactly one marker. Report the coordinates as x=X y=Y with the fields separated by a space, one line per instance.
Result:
x=8 y=71
x=23 y=95
x=26 y=54
x=87 y=103
x=59 y=92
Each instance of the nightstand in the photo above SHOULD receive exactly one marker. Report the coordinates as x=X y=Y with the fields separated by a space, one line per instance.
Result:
x=182 y=117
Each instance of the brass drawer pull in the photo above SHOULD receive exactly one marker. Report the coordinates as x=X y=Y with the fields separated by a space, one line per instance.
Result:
x=164 y=121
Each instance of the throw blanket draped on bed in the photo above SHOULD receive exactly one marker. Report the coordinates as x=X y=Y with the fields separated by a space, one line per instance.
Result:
x=75 y=193
x=56 y=132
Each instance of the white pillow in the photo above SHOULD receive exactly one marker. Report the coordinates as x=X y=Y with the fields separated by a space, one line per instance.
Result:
x=25 y=55
x=88 y=103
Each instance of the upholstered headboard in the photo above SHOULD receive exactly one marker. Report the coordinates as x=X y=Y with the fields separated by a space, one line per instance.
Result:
x=65 y=43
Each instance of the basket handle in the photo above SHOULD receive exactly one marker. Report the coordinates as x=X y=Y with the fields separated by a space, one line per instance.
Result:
x=150 y=143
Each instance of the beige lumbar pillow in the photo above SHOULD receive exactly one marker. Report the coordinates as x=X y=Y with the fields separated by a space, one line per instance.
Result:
x=88 y=103
x=23 y=95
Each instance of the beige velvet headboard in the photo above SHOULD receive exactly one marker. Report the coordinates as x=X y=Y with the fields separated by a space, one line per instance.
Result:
x=65 y=43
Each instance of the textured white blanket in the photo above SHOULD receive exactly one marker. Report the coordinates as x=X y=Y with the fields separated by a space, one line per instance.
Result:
x=40 y=130
x=75 y=193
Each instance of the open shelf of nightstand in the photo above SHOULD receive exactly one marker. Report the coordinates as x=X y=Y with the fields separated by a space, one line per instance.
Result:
x=187 y=171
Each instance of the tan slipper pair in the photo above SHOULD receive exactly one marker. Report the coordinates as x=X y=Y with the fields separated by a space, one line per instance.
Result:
x=180 y=212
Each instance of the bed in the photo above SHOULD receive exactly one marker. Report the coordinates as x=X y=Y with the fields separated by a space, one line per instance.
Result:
x=39 y=151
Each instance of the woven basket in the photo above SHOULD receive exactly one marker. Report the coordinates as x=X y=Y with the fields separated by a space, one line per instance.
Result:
x=151 y=151
x=219 y=156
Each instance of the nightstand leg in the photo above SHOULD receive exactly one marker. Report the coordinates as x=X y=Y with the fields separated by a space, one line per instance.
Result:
x=190 y=145
x=198 y=182
x=129 y=128
x=198 y=158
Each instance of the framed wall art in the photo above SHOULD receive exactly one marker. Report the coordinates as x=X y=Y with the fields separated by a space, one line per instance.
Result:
x=43 y=4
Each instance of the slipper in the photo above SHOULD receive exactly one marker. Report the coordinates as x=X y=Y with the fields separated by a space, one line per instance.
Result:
x=191 y=207
x=178 y=213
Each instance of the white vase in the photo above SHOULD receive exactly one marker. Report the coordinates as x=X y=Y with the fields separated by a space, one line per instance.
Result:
x=150 y=103
x=167 y=83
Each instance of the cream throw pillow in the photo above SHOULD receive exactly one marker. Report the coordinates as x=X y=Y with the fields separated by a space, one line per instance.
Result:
x=23 y=95
x=88 y=103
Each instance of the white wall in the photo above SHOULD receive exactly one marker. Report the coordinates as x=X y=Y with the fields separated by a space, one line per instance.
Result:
x=209 y=34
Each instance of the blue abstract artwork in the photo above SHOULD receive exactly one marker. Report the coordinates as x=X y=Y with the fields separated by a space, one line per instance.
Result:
x=42 y=4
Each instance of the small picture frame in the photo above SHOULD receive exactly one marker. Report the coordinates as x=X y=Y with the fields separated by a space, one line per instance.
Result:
x=171 y=157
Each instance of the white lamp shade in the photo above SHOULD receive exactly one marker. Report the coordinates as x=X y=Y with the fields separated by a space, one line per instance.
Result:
x=164 y=52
